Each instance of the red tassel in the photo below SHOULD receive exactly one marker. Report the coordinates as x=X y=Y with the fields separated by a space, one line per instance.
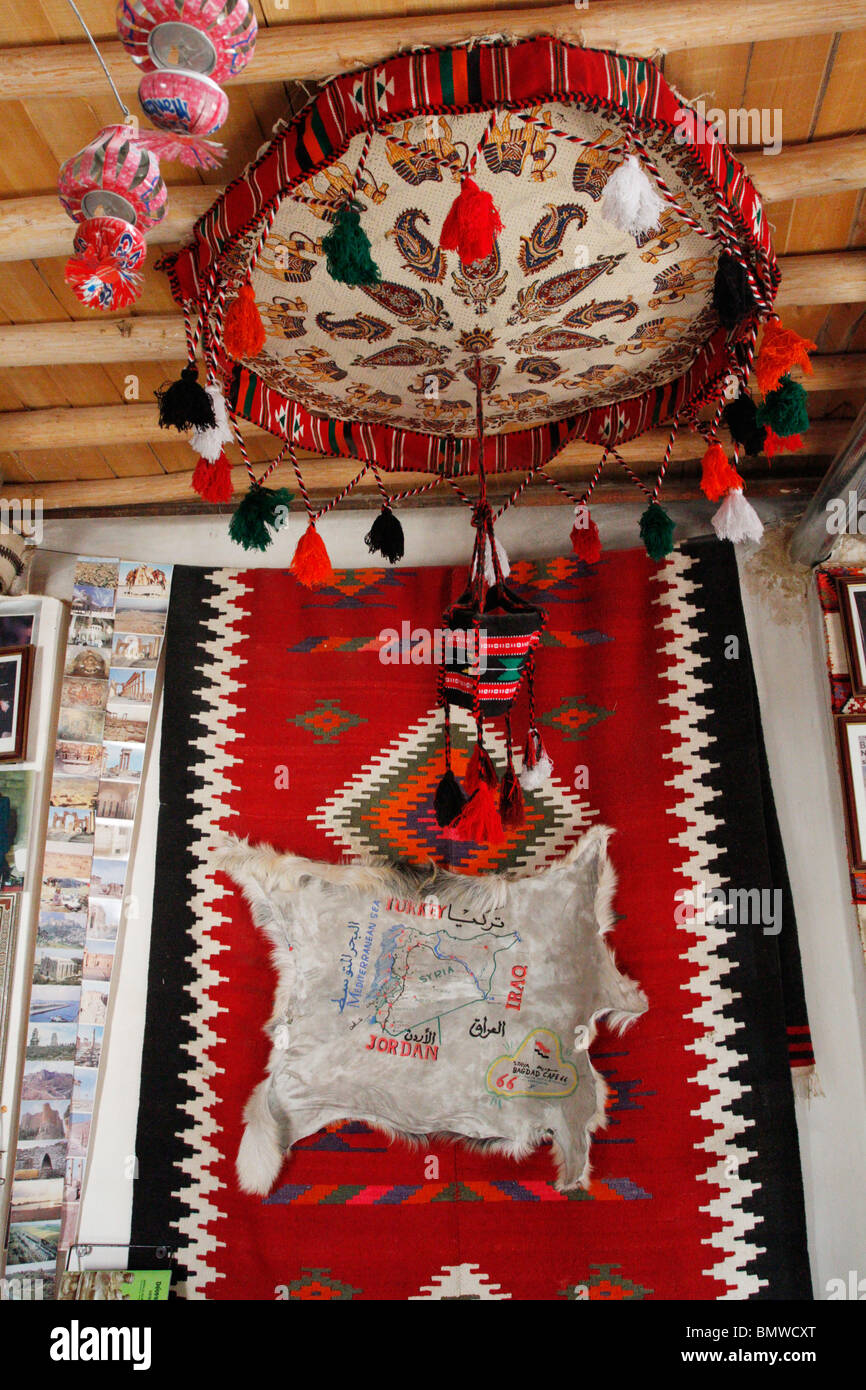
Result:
x=310 y=563
x=213 y=481
x=243 y=330
x=511 y=807
x=479 y=769
x=479 y=822
x=585 y=540
x=774 y=444
x=472 y=225
x=718 y=474
x=781 y=349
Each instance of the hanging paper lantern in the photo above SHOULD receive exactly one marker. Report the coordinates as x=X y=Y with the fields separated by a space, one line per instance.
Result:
x=105 y=269
x=186 y=103
x=214 y=37
x=116 y=175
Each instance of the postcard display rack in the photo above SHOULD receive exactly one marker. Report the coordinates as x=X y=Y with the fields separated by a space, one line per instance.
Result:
x=107 y=697
x=38 y=622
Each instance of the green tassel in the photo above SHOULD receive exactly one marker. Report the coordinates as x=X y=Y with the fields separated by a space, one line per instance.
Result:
x=785 y=409
x=255 y=513
x=347 y=247
x=657 y=532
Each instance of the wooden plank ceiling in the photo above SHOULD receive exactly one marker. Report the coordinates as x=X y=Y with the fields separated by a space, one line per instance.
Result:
x=815 y=78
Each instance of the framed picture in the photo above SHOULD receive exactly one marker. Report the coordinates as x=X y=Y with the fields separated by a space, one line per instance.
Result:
x=852 y=605
x=16 y=678
x=9 y=902
x=851 y=733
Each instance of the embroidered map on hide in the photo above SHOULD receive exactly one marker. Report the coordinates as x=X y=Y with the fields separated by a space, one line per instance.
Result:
x=421 y=971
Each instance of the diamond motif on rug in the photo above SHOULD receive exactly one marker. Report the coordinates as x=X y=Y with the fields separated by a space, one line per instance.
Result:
x=318 y=1284
x=327 y=720
x=574 y=717
x=605 y=1282
x=387 y=807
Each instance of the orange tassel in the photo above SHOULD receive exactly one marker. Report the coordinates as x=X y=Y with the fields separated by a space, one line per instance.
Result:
x=585 y=540
x=213 y=481
x=781 y=349
x=479 y=823
x=472 y=225
x=774 y=444
x=310 y=563
x=243 y=330
x=718 y=474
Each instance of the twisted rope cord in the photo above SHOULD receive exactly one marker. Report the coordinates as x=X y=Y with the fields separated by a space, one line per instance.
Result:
x=667 y=458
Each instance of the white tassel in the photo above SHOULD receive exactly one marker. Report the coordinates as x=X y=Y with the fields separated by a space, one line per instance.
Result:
x=533 y=778
x=736 y=520
x=209 y=443
x=504 y=565
x=630 y=202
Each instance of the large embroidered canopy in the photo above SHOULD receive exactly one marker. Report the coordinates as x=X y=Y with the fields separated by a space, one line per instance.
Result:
x=572 y=327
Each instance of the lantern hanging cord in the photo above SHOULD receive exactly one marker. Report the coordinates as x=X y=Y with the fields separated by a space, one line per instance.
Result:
x=124 y=108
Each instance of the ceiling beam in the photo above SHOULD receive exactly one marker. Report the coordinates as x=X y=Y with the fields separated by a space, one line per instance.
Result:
x=317 y=50
x=36 y=228
x=103 y=426
x=829 y=277
x=161 y=338
x=323 y=478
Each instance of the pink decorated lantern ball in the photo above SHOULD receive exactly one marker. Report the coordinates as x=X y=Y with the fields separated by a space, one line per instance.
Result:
x=213 y=37
x=116 y=175
x=186 y=103
x=105 y=268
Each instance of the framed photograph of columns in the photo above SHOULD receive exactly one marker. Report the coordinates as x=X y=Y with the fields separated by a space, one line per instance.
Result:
x=16 y=676
x=852 y=607
x=851 y=733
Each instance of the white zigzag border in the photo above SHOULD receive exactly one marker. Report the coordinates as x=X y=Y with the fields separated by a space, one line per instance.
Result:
x=218 y=683
x=725 y=1147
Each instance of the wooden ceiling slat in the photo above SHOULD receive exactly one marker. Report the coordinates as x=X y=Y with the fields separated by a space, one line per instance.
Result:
x=317 y=50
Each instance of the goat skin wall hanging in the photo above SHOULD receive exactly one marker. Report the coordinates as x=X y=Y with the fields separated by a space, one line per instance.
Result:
x=423 y=1001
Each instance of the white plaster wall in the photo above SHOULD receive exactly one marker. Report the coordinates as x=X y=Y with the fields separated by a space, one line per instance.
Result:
x=790 y=673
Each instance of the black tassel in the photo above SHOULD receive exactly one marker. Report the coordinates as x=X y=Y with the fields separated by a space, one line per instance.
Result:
x=185 y=404
x=741 y=418
x=732 y=295
x=385 y=536
x=449 y=799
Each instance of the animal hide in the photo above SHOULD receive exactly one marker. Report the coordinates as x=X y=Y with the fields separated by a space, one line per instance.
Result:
x=424 y=1001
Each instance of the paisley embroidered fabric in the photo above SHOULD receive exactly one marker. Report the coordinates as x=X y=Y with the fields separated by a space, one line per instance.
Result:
x=423 y=1001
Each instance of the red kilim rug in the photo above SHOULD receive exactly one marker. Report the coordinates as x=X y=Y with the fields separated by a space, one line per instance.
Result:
x=282 y=723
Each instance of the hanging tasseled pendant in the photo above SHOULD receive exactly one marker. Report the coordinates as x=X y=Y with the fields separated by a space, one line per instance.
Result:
x=657 y=532
x=585 y=540
x=472 y=225
x=781 y=349
x=208 y=443
x=385 y=536
x=718 y=474
x=185 y=404
x=741 y=417
x=732 y=294
x=311 y=565
x=774 y=444
x=630 y=202
x=347 y=248
x=257 y=514
x=736 y=520
x=213 y=481
x=479 y=769
x=785 y=410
